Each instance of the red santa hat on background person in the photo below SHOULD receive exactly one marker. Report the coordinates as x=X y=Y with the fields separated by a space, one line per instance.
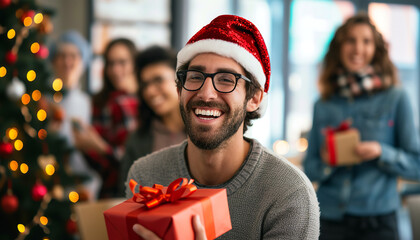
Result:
x=237 y=38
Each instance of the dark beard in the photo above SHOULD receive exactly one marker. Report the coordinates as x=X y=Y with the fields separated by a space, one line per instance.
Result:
x=230 y=126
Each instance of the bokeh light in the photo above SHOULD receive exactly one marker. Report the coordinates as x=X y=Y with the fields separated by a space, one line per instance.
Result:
x=24 y=168
x=42 y=134
x=3 y=71
x=11 y=33
x=38 y=18
x=36 y=95
x=21 y=228
x=31 y=75
x=27 y=21
x=281 y=147
x=41 y=115
x=49 y=169
x=73 y=196
x=43 y=220
x=35 y=47
x=13 y=165
x=12 y=133
x=302 y=144
x=57 y=84
x=18 y=145
x=25 y=99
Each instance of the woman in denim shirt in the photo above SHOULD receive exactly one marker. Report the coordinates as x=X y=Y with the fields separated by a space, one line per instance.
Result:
x=359 y=82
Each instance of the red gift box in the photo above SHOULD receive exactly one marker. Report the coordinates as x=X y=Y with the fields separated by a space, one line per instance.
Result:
x=341 y=143
x=171 y=220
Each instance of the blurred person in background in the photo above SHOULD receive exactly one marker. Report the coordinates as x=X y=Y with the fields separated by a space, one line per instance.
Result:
x=358 y=81
x=70 y=55
x=160 y=121
x=115 y=113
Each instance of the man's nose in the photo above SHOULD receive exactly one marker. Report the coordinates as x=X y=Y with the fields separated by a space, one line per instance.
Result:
x=207 y=91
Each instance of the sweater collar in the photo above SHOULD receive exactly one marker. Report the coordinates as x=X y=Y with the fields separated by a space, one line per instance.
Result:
x=240 y=177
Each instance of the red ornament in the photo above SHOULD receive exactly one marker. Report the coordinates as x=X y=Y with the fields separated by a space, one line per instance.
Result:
x=11 y=57
x=71 y=227
x=43 y=52
x=38 y=191
x=5 y=3
x=9 y=203
x=6 y=149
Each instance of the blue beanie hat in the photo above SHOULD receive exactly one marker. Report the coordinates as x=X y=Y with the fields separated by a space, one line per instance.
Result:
x=73 y=37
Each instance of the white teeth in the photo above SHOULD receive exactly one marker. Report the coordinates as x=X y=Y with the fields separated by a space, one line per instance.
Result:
x=213 y=113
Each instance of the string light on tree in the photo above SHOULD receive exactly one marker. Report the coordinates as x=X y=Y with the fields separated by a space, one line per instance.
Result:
x=18 y=145
x=25 y=99
x=24 y=168
x=34 y=47
x=41 y=115
x=11 y=33
x=13 y=165
x=3 y=71
x=73 y=197
x=38 y=18
x=21 y=228
x=31 y=75
x=57 y=84
x=12 y=133
x=36 y=95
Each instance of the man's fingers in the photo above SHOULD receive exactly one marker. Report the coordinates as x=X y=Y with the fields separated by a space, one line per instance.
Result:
x=200 y=233
x=144 y=232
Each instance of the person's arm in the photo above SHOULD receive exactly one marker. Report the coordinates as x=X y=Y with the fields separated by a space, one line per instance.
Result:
x=403 y=159
x=315 y=168
x=296 y=216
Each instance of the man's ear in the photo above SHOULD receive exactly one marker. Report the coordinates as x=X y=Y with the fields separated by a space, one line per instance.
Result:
x=255 y=101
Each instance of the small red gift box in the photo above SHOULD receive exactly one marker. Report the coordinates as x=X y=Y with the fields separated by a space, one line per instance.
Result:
x=341 y=145
x=172 y=220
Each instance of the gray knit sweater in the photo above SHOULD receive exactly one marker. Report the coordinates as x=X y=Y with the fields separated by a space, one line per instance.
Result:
x=268 y=197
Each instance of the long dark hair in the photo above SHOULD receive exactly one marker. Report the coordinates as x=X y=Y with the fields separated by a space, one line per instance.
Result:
x=147 y=57
x=381 y=62
x=100 y=98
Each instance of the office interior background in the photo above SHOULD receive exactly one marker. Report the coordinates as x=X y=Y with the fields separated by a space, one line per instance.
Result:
x=297 y=33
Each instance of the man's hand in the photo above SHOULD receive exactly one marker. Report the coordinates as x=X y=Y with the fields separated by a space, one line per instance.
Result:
x=146 y=234
x=369 y=150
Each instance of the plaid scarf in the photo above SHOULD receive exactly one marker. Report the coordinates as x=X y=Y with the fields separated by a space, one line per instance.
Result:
x=351 y=84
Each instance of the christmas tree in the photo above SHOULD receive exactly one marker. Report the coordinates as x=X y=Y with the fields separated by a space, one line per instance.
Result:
x=37 y=189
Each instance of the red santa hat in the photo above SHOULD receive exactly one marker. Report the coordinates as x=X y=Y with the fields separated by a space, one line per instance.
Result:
x=237 y=38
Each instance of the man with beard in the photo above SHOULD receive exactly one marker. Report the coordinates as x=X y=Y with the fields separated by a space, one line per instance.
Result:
x=222 y=77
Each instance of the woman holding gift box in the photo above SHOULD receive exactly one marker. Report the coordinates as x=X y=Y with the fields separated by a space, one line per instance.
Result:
x=359 y=82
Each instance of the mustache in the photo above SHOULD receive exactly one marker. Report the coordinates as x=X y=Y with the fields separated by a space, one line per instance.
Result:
x=200 y=103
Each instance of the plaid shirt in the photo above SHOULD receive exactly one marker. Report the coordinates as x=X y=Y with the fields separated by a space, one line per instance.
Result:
x=114 y=121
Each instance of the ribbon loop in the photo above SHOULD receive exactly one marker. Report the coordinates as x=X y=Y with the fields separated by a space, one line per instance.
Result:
x=156 y=195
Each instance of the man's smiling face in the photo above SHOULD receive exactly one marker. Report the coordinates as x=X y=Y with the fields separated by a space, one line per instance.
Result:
x=212 y=117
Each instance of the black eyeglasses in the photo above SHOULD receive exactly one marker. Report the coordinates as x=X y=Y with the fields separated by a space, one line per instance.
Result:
x=224 y=82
